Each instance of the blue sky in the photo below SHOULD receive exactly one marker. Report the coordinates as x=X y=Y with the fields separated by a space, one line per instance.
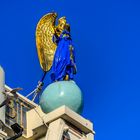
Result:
x=106 y=35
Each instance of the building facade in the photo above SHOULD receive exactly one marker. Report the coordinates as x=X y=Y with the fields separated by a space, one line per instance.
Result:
x=60 y=124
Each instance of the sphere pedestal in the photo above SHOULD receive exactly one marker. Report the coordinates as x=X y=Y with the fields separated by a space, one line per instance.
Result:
x=62 y=93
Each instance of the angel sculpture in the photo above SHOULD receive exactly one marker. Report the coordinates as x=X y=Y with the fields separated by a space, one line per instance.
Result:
x=55 y=48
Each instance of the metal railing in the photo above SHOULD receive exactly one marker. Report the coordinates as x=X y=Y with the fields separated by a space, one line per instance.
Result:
x=16 y=111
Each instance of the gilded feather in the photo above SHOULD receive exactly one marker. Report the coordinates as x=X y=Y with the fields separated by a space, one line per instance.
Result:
x=45 y=45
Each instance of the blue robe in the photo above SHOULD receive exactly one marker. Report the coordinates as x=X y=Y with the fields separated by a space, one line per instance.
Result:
x=64 y=58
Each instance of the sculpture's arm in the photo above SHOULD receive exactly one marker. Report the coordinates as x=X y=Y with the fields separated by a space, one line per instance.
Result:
x=72 y=57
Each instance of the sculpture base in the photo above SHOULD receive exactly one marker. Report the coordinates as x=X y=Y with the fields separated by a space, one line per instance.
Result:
x=62 y=93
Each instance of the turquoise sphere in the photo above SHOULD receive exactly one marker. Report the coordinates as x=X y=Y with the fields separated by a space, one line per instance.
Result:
x=62 y=93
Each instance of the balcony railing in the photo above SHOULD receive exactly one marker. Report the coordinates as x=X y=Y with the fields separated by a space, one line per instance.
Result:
x=16 y=110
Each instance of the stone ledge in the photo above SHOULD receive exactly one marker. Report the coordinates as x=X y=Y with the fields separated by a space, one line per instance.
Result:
x=36 y=117
x=67 y=114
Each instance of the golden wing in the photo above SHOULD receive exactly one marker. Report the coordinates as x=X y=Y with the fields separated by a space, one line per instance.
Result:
x=45 y=45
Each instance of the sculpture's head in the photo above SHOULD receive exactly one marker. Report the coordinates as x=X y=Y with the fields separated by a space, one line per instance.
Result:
x=62 y=20
x=61 y=25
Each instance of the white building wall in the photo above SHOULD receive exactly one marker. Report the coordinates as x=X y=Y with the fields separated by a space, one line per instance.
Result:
x=2 y=82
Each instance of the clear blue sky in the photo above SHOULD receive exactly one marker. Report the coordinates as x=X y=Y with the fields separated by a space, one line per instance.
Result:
x=106 y=34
